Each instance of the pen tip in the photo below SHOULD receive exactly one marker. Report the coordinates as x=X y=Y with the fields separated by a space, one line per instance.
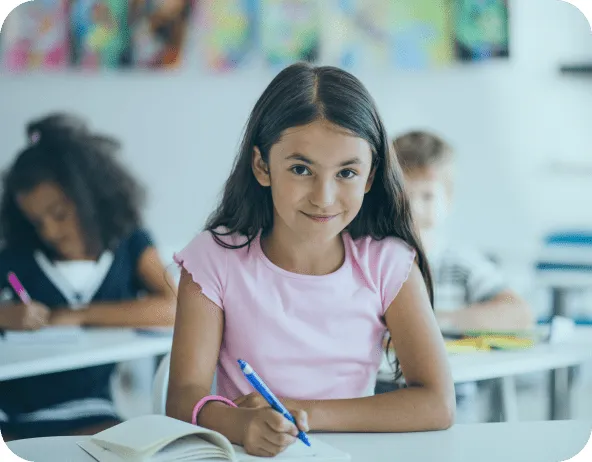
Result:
x=304 y=439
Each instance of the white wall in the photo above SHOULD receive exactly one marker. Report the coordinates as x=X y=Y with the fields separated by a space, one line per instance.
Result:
x=507 y=119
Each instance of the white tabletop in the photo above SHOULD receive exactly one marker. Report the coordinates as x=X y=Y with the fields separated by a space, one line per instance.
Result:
x=104 y=346
x=95 y=347
x=508 y=442
x=484 y=365
x=488 y=365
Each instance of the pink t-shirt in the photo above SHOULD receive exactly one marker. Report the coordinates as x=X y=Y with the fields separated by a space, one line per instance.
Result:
x=308 y=337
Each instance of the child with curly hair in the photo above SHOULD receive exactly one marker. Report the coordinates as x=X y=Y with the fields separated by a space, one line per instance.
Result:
x=70 y=229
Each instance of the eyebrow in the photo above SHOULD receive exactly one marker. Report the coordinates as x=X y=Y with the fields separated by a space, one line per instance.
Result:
x=306 y=160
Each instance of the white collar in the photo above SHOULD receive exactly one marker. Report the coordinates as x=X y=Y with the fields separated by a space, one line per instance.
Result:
x=76 y=299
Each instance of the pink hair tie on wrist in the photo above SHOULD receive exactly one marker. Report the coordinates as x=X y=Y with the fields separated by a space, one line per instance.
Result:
x=202 y=402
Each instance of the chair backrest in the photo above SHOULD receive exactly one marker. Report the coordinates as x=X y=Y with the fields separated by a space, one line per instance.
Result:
x=160 y=386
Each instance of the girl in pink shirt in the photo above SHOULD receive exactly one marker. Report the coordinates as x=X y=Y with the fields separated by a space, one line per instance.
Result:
x=310 y=258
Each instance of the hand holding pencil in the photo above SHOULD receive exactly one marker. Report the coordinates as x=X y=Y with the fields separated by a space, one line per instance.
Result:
x=28 y=315
x=271 y=429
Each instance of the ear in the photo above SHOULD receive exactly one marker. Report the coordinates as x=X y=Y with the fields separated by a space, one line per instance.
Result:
x=370 y=180
x=260 y=168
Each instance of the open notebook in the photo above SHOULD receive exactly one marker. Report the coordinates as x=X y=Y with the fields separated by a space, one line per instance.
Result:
x=157 y=438
x=53 y=335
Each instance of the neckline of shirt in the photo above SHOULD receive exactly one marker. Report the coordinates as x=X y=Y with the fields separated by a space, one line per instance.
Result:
x=310 y=277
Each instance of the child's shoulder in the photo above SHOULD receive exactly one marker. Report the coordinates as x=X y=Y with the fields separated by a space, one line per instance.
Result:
x=381 y=249
x=206 y=257
x=384 y=263
x=8 y=255
x=214 y=244
x=137 y=236
x=134 y=243
x=16 y=260
x=218 y=238
x=382 y=259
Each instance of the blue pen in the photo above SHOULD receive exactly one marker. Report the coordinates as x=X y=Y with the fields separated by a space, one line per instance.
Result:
x=275 y=403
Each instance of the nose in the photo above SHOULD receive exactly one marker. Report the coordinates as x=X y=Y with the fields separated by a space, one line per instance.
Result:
x=323 y=193
x=50 y=231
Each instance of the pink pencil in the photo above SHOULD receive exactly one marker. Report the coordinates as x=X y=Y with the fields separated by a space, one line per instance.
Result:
x=18 y=288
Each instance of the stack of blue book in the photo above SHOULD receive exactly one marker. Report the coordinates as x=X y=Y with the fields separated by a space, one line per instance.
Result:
x=567 y=256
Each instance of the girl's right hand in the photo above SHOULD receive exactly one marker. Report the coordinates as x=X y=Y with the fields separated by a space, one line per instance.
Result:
x=24 y=317
x=267 y=432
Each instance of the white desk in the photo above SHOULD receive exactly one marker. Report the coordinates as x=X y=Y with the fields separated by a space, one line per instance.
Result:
x=473 y=366
x=469 y=367
x=96 y=347
x=506 y=365
x=487 y=365
x=561 y=282
x=516 y=442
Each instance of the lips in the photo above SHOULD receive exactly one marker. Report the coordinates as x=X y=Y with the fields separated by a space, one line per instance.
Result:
x=320 y=218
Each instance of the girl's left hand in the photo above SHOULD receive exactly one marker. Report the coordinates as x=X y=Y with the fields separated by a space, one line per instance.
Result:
x=66 y=317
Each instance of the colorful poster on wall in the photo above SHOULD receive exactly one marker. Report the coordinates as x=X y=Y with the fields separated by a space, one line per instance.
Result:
x=357 y=33
x=481 y=29
x=228 y=32
x=422 y=33
x=99 y=33
x=409 y=34
x=290 y=31
x=35 y=36
x=159 y=30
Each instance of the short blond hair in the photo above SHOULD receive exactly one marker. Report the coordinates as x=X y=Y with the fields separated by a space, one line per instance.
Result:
x=417 y=150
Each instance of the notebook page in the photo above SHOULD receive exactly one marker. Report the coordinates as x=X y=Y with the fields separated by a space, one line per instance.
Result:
x=190 y=448
x=317 y=452
x=148 y=434
x=101 y=454
x=187 y=451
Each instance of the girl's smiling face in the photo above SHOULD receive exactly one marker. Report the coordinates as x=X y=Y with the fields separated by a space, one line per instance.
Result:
x=318 y=174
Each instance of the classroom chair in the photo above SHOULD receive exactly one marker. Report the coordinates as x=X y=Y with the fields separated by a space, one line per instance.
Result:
x=160 y=386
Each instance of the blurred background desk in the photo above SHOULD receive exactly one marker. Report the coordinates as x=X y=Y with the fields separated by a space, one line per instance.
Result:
x=94 y=347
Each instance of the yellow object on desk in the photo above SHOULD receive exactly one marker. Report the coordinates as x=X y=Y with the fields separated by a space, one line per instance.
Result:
x=488 y=343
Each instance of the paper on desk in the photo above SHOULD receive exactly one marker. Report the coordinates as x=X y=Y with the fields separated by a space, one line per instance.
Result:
x=562 y=329
x=46 y=335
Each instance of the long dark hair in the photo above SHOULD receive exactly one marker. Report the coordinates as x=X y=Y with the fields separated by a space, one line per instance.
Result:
x=299 y=95
x=62 y=150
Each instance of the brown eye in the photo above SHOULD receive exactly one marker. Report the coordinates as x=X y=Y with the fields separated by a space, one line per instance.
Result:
x=300 y=170
x=347 y=174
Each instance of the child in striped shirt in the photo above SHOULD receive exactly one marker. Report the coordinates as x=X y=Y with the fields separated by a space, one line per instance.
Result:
x=469 y=291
